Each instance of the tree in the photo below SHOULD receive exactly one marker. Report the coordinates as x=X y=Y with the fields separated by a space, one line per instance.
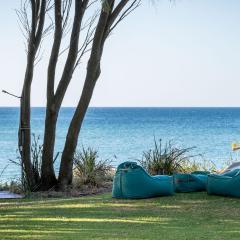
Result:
x=94 y=33
x=34 y=35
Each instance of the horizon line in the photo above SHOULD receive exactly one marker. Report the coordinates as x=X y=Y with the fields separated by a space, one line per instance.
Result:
x=132 y=107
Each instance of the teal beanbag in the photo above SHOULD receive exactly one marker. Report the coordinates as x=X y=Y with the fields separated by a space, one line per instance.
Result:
x=201 y=172
x=132 y=181
x=230 y=173
x=193 y=182
x=227 y=184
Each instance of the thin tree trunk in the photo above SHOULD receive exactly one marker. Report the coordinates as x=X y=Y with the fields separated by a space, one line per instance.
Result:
x=24 y=140
x=38 y=11
x=65 y=172
x=54 y=101
x=48 y=178
x=93 y=73
x=108 y=20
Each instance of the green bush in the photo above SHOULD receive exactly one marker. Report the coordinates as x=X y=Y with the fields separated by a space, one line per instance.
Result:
x=89 y=170
x=200 y=165
x=36 y=159
x=166 y=158
x=13 y=186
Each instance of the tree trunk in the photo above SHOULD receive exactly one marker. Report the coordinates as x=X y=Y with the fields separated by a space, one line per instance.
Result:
x=24 y=135
x=38 y=11
x=93 y=73
x=54 y=101
x=48 y=178
x=66 y=167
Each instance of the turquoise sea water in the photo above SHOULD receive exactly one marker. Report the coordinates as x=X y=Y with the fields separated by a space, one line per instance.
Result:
x=127 y=132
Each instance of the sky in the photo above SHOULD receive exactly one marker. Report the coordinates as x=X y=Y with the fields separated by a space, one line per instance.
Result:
x=180 y=54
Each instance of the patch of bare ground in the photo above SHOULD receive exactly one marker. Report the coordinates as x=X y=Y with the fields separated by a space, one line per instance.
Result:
x=75 y=192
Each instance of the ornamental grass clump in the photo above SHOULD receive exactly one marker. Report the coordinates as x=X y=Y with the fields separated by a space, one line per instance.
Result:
x=89 y=169
x=166 y=159
x=36 y=162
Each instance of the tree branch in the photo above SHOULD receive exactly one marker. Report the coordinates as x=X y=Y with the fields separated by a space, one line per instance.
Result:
x=80 y=7
x=40 y=23
x=55 y=50
x=135 y=4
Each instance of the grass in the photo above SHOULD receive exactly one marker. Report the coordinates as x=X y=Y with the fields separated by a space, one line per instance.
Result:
x=184 y=216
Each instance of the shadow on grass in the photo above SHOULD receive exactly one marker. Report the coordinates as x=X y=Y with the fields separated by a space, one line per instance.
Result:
x=184 y=216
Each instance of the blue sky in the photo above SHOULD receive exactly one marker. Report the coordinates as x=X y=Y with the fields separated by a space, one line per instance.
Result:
x=185 y=53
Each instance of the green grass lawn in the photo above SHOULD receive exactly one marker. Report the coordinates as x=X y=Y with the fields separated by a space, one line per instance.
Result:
x=184 y=216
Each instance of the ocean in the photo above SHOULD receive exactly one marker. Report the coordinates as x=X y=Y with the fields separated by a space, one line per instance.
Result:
x=122 y=134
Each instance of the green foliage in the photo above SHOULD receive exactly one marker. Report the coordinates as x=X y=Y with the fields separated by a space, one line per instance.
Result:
x=89 y=170
x=165 y=158
x=201 y=165
x=36 y=153
x=13 y=187
x=36 y=159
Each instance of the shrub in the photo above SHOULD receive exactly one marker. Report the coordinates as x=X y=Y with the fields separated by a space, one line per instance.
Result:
x=13 y=186
x=36 y=155
x=203 y=165
x=166 y=159
x=89 y=170
x=36 y=159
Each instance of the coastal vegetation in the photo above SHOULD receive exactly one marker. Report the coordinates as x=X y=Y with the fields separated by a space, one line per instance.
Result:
x=183 y=216
x=90 y=170
x=92 y=174
x=168 y=158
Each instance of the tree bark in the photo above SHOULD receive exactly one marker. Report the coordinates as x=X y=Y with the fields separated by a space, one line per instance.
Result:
x=54 y=101
x=65 y=172
x=93 y=73
x=48 y=178
x=38 y=10
x=24 y=140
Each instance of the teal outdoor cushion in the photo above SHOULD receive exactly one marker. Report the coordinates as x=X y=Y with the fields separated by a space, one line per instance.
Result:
x=230 y=173
x=132 y=181
x=201 y=172
x=227 y=184
x=194 y=182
